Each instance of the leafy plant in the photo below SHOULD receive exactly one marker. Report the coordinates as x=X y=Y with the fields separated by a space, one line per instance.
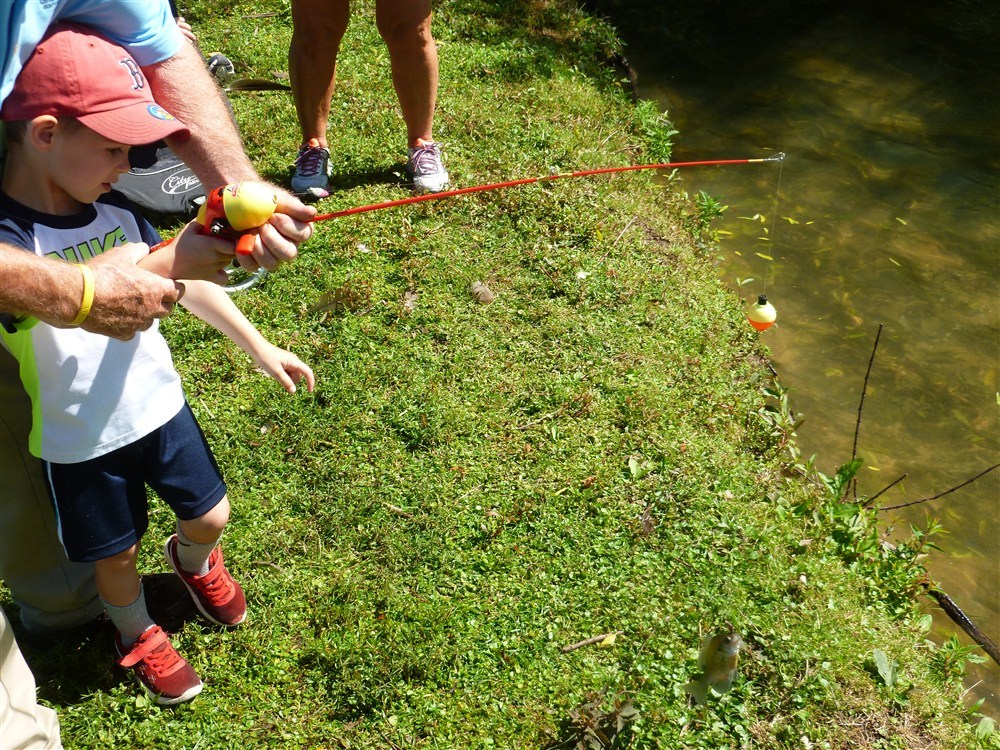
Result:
x=656 y=130
x=887 y=671
x=951 y=658
x=592 y=727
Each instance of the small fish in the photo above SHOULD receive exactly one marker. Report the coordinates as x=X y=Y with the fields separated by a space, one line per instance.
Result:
x=717 y=661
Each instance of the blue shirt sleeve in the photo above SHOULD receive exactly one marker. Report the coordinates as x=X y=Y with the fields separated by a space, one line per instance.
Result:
x=145 y=28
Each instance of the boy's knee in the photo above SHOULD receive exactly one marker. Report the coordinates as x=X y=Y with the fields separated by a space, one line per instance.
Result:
x=210 y=525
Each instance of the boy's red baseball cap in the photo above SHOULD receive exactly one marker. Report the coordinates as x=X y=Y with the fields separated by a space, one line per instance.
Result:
x=76 y=72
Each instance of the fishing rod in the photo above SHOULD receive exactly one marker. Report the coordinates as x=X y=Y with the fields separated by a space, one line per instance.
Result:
x=547 y=178
x=234 y=211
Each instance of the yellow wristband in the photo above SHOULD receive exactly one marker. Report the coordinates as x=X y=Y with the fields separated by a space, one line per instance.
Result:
x=88 y=295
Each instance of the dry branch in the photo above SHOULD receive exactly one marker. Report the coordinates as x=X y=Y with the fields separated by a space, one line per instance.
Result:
x=590 y=641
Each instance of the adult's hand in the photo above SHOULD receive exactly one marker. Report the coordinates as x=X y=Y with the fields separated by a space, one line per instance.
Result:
x=192 y=256
x=127 y=299
x=279 y=239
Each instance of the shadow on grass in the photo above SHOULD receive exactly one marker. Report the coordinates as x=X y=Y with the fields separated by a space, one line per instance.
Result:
x=72 y=664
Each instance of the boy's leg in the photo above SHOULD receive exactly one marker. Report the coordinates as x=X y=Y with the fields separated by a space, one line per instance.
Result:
x=142 y=645
x=194 y=554
x=187 y=477
x=198 y=537
x=53 y=593
x=120 y=588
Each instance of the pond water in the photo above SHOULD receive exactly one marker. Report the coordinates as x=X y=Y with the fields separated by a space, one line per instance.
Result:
x=888 y=213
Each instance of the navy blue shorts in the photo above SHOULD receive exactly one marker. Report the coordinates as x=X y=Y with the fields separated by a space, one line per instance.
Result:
x=101 y=505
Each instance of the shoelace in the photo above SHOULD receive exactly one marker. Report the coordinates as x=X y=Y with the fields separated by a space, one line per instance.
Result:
x=217 y=584
x=156 y=652
x=164 y=662
x=426 y=159
x=310 y=159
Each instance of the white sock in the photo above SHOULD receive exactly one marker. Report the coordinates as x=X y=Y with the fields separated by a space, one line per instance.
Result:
x=132 y=620
x=193 y=556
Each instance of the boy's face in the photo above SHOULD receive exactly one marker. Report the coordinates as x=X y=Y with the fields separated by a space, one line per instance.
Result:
x=85 y=164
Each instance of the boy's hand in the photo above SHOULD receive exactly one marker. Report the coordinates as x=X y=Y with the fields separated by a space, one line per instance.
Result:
x=127 y=299
x=278 y=240
x=284 y=367
x=192 y=256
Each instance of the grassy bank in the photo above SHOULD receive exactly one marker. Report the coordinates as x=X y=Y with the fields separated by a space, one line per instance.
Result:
x=473 y=488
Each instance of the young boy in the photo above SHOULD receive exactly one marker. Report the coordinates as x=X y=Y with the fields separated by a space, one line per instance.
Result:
x=110 y=416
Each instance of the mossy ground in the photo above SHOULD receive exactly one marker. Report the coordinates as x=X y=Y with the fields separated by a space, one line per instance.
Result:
x=473 y=488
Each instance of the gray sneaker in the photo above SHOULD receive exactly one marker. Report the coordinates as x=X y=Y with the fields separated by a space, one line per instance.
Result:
x=312 y=170
x=426 y=170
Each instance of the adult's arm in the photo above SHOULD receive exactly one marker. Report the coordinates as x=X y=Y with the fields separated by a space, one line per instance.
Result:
x=127 y=299
x=183 y=85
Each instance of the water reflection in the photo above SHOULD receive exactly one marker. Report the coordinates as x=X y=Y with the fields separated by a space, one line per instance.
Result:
x=887 y=213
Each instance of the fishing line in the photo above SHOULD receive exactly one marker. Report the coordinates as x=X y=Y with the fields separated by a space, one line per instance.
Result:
x=236 y=209
x=762 y=314
x=547 y=178
x=774 y=219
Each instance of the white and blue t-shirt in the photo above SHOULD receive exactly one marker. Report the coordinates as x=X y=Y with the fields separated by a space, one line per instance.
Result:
x=90 y=394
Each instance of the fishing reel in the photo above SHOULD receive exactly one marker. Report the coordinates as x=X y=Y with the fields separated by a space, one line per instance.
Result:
x=233 y=212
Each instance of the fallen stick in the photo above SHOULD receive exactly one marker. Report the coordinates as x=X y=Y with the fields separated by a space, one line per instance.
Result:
x=962 y=620
x=861 y=406
x=590 y=641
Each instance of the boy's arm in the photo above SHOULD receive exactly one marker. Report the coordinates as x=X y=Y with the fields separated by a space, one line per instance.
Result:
x=191 y=256
x=211 y=303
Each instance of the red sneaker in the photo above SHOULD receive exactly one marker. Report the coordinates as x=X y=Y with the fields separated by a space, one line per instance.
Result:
x=165 y=674
x=217 y=596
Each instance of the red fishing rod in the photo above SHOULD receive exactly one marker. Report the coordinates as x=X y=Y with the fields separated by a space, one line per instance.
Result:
x=235 y=211
x=547 y=178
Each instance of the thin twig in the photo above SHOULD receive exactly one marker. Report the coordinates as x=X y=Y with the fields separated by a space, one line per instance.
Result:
x=398 y=511
x=864 y=389
x=590 y=641
x=630 y=223
x=884 y=490
x=946 y=492
x=265 y=563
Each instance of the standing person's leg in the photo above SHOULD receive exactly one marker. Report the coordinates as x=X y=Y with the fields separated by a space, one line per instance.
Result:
x=405 y=25
x=23 y=723
x=53 y=593
x=317 y=29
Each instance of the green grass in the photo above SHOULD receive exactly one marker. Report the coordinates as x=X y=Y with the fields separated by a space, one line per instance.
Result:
x=472 y=488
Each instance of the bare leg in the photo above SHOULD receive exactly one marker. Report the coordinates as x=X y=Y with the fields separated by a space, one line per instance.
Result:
x=117 y=577
x=317 y=29
x=207 y=529
x=405 y=25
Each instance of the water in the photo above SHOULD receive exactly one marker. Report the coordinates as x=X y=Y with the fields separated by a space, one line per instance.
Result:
x=890 y=118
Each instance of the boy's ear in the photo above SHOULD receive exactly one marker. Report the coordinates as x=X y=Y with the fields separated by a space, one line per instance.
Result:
x=41 y=131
